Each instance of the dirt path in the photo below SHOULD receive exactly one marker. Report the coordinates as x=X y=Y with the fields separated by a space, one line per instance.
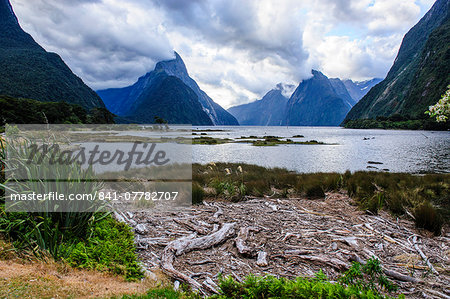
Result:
x=291 y=237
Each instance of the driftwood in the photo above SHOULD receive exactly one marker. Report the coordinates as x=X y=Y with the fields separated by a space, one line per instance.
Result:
x=262 y=259
x=218 y=213
x=391 y=273
x=241 y=242
x=195 y=228
x=424 y=257
x=210 y=285
x=189 y=243
x=332 y=262
x=299 y=239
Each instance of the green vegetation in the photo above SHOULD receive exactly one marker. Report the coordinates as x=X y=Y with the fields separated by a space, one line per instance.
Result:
x=83 y=237
x=426 y=197
x=26 y=111
x=397 y=122
x=275 y=140
x=210 y=140
x=163 y=293
x=109 y=246
x=28 y=71
x=360 y=281
x=272 y=141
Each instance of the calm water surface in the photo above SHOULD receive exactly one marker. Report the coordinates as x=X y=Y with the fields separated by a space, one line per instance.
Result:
x=399 y=151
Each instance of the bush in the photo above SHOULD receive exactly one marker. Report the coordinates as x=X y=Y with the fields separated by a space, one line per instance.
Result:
x=359 y=281
x=428 y=217
x=109 y=246
x=198 y=194
x=314 y=191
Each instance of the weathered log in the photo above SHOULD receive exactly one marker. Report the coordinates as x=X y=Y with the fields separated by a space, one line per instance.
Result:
x=153 y=241
x=219 y=212
x=202 y=262
x=210 y=285
x=189 y=243
x=332 y=262
x=241 y=239
x=262 y=259
x=196 y=228
x=424 y=257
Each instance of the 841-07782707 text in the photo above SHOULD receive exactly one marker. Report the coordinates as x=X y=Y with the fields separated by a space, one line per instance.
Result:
x=137 y=196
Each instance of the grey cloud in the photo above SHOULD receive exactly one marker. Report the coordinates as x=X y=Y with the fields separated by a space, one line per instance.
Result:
x=107 y=45
x=103 y=48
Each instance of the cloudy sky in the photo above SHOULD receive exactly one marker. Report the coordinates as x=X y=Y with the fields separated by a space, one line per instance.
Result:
x=235 y=49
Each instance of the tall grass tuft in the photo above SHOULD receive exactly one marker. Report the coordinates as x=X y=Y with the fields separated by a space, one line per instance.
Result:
x=46 y=227
x=428 y=217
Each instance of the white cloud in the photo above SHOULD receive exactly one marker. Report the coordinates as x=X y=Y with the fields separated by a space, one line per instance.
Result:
x=236 y=50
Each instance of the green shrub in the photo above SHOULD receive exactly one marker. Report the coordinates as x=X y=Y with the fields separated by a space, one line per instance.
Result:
x=426 y=216
x=163 y=293
x=108 y=246
x=198 y=194
x=396 y=202
x=374 y=203
x=314 y=191
x=359 y=281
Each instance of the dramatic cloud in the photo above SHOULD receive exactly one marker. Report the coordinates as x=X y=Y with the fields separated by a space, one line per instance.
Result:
x=237 y=50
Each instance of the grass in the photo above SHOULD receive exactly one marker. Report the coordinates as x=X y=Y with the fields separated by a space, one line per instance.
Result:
x=83 y=237
x=28 y=277
x=108 y=247
x=427 y=197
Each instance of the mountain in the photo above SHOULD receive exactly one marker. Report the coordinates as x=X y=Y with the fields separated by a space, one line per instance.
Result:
x=28 y=71
x=157 y=94
x=419 y=74
x=358 y=89
x=122 y=101
x=342 y=91
x=316 y=102
x=269 y=111
x=170 y=99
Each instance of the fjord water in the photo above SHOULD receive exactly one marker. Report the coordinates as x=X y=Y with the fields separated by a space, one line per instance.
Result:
x=345 y=149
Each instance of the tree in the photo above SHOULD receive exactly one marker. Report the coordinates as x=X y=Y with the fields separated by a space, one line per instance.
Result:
x=441 y=110
x=159 y=120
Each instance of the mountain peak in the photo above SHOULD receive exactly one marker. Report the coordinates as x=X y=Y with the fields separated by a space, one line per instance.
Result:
x=317 y=74
x=173 y=67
